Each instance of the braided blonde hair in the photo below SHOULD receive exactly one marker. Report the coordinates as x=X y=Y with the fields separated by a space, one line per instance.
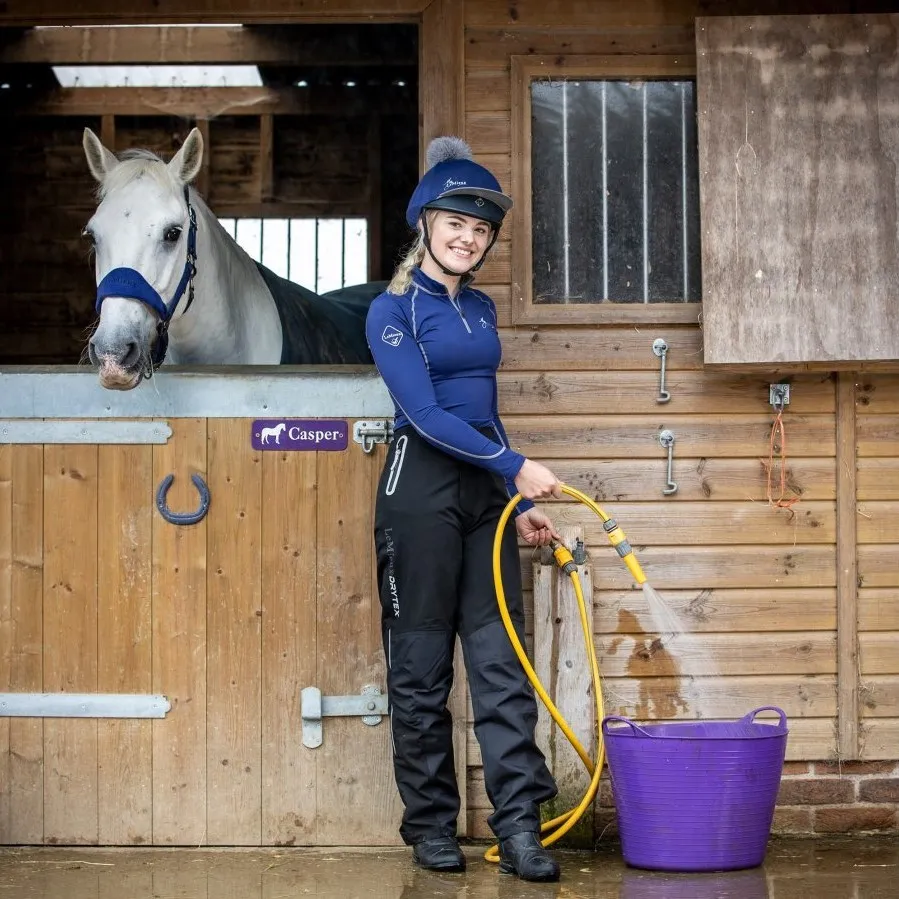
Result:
x=402 y=277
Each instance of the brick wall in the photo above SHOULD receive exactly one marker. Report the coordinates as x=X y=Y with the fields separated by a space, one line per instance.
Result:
x=816 y=798
x=834 y=797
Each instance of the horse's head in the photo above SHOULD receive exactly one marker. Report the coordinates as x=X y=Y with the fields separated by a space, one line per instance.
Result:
x=142 y=237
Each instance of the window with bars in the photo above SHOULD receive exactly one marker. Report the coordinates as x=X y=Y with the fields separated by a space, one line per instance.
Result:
x=605 y=174
x=321 y=254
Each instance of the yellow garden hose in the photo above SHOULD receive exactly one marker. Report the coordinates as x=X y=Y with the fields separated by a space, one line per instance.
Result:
x=559 y=826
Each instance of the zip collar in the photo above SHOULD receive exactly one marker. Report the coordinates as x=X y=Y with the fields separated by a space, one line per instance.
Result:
x=437 y=288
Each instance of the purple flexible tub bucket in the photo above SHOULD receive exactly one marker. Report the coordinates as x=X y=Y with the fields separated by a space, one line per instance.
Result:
x=695 y=796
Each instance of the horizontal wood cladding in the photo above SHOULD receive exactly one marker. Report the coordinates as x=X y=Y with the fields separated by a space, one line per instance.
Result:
x=706 y=524
x=878 y=608
x=186 y=45
x=806 y=697
x=615 y=349
x=878 y=565
x=878 y=478
x=879 y=696
x=877 y=394
x=878 y=435
x=487 y=50
x=719 y=610
x=111 y=12
x=637 y=436
x=547 y=15
x=636 y=393
x=698 y=479
x=717 y=655
x=210 y=102
x=879 y=739
x=877 y=653
x=756 y=567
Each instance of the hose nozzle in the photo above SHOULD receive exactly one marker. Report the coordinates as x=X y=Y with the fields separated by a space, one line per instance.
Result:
x=563 y=557
x=624 y=549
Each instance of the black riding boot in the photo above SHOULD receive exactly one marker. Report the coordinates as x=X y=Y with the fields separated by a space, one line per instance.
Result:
x=439 y=854
x=524 y=855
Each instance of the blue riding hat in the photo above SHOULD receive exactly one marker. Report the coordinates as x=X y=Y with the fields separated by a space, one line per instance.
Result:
x=454 y=182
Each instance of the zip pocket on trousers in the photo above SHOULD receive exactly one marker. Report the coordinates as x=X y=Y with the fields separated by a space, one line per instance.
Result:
x=396 y=466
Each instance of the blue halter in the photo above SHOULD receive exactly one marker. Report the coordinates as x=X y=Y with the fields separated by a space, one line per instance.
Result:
x=131 y=284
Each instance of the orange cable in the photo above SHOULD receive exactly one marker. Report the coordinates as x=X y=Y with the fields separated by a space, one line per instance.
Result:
x=782 y=502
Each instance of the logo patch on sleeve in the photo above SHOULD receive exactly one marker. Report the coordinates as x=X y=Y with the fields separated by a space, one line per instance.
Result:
x=392 y=336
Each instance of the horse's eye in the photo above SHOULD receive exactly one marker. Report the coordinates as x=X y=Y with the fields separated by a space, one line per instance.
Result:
x=171 y=235
x=87 y=233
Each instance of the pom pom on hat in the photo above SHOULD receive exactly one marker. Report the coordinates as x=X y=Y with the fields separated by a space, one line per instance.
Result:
x=443 y=149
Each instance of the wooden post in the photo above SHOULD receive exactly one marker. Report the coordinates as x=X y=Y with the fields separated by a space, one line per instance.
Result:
x=442 y=71
x=107 y=132
x=847 y=570
x=561 y=664
x=266 y=157
x=375 y=169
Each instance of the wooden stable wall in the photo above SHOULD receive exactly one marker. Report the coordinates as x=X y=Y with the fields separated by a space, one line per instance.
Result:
x=798 y=607
x=769 y=595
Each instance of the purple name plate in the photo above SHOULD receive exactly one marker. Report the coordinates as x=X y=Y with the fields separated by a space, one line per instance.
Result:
x=300 y=434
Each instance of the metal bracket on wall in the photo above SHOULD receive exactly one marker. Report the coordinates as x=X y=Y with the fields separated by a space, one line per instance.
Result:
x=370 y=433
x=69 y=431
x=83 y=705
x=660 y=348
x=370 y=706
x=779 y=396
x=666 y=438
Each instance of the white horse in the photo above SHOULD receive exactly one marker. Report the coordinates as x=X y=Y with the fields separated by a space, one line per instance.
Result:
x=174 y=286
x=275 y=432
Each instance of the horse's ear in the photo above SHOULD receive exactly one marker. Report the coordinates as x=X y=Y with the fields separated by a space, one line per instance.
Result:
x=186 y=163
x=99 y=160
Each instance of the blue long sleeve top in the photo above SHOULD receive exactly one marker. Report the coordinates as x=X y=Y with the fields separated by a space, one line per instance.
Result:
x=438 y=356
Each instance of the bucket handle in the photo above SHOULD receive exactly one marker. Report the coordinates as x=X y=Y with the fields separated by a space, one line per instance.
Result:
x=750 y=718
x=636 y=728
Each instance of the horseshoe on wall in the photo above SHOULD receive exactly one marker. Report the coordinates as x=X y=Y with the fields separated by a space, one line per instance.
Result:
x=182 y=517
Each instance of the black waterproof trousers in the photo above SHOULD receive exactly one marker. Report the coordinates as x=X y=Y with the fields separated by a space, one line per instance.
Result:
x=435 y=521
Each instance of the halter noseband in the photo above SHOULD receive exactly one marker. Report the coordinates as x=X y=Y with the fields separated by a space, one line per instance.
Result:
x=132 y=285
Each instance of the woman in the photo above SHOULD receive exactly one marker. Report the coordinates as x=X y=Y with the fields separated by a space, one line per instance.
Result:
x=448 y=476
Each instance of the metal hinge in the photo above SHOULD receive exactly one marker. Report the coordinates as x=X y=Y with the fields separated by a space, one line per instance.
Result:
x=370 y=706
x=83 y=705
x=369 y=433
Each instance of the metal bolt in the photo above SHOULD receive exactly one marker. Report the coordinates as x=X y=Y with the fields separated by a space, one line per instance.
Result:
x=371 y=706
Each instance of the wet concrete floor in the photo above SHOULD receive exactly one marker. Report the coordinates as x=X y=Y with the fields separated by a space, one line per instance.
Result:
x=857 y=868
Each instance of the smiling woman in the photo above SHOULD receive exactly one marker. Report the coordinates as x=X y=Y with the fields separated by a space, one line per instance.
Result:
x=447 y=479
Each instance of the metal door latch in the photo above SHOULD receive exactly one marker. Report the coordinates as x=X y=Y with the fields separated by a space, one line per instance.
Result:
x=370 y=706
x=660 y=348
x=369 y=433
x=666 y=438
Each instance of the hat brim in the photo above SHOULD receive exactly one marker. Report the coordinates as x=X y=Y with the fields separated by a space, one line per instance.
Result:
x=469 y=205
x=501 y=200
